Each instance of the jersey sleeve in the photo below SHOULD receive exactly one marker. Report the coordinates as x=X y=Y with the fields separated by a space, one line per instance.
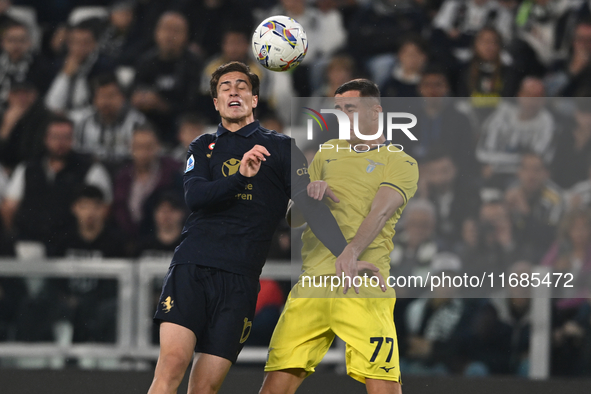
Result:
x=200 y=190
x=316 y=167
x=298 y=177
x=402 y=175
x=317 y=214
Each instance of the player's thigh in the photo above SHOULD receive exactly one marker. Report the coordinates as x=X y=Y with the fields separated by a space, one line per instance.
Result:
x=367 y=326
x=177 y=344
x=208 y=373
x=231 y=306
x=284 y=381
x=302 y=335
x=375 y=386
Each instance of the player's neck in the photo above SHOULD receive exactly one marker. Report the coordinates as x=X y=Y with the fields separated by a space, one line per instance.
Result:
x=236 y=124
x=371 y=143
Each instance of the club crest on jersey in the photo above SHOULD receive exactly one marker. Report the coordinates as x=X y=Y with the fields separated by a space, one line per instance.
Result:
x=190 y=164
x=230 y=167
x=372 y=165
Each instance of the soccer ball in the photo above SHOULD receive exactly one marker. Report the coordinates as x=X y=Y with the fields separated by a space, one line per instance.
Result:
x=279 y=43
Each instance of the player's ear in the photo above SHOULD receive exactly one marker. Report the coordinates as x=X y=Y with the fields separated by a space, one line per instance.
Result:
x=215 y=103
x=255 y=101
x=377 y=109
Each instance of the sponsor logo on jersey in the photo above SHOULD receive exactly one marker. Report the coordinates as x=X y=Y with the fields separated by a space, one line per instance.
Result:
x=387 y=369
x=230 y=167
x=372 y=165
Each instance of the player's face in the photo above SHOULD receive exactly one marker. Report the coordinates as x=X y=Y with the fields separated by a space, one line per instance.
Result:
x=368 y=112
x=235 y=101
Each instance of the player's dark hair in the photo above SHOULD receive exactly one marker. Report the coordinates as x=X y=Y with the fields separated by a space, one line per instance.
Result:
x=103 y=80
x=365 y=87
x=232 y=67
x=146 y=127
x=90 y=192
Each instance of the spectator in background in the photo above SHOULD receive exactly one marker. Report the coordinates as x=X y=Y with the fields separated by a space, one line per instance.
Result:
x=512 y=130
x=376 y=29
x=416 y=245
x=457 y=23
x=571 y=252
x=580 y=194
x=70 y=89
x=513 y=310
x=488 y=242
x=432 y=326
x=573 y=148
x=138 y=183
x=90 y=236
x=121 y=39
x=271 y=121
x=540 y=39
x=483 y=76
x=406 y=75
x=23 y=125
x=340 y=69
x=441 y=124
x=90 y=304
x=169 y=216
x=191 y=126
x=18 y=63
x=104 y=130
x=536 y=205
x=570 y=255
x=167 y=77
x=38 y=199
x=572 y=76
x=211 y=15
x=454 y=200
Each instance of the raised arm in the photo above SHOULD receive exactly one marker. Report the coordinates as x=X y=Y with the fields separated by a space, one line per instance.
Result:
x=201 y=191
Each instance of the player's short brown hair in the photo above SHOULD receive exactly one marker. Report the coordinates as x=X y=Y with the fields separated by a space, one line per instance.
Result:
x=231 y=67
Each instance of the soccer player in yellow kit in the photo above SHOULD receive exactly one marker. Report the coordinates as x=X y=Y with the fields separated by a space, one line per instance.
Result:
x=369 y=190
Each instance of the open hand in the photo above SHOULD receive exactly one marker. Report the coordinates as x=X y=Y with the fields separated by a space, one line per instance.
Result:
x=318 y=189
x=348 y=265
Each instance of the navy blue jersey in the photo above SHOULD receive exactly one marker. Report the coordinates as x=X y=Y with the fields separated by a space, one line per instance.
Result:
x=233 y=217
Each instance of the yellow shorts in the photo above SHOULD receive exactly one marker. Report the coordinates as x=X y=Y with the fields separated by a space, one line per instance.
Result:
x=308 y=326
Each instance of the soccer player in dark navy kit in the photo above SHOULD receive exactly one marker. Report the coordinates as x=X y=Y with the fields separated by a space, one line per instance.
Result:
x=237 y=185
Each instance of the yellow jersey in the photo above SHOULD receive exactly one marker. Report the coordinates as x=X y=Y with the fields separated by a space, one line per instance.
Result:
x=355 y=178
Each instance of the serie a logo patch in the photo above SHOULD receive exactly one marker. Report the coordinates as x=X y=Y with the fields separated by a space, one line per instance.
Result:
x=190 y=163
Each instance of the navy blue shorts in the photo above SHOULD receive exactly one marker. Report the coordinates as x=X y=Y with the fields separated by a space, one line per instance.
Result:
x=217 y=305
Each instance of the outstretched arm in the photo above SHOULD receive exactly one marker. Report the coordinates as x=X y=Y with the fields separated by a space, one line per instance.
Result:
x=383 y=207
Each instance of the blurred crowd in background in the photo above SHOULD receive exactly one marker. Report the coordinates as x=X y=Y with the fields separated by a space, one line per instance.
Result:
x=99 y=101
